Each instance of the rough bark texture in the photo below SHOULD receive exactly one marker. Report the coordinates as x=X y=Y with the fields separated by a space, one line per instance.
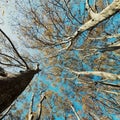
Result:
x=12 y=86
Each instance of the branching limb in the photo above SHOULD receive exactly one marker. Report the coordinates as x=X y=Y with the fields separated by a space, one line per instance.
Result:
x=93 y=15
x=14 y=48
x=104 y=75
x=8 y=56
x=110 y=10
x=10 y=64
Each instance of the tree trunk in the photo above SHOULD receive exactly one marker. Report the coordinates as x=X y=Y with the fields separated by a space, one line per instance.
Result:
x=12 y=86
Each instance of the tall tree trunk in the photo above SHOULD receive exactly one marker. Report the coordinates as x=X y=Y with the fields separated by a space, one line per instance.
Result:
x=12 y=86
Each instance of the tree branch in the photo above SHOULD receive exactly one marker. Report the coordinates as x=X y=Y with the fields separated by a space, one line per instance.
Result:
x=8 y=56
x=10 y=64
x=30 y=115
x=110 y=10
x=43 y=97
x=90 y=11
x=109 y=84
x=113 y=48
x=106 y=36
x=78 y=118
x=110 y=92
x=105 y=75
x=14 y=48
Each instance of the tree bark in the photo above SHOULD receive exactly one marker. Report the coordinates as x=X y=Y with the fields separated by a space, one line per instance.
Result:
x=12 y=86
x=96 y=18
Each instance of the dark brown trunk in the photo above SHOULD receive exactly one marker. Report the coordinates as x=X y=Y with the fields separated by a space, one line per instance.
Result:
x=12 y=86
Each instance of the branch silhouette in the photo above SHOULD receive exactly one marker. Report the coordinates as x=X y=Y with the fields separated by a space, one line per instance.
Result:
x=14 y=48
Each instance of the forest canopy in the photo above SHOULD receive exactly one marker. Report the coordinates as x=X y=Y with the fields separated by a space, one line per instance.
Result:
x=76 y=43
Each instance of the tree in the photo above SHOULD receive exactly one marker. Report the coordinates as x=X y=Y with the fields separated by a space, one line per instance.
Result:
x=11 y=85
x=79 y=43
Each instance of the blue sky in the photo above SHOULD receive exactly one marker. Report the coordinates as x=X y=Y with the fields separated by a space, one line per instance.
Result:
x=5 y=8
